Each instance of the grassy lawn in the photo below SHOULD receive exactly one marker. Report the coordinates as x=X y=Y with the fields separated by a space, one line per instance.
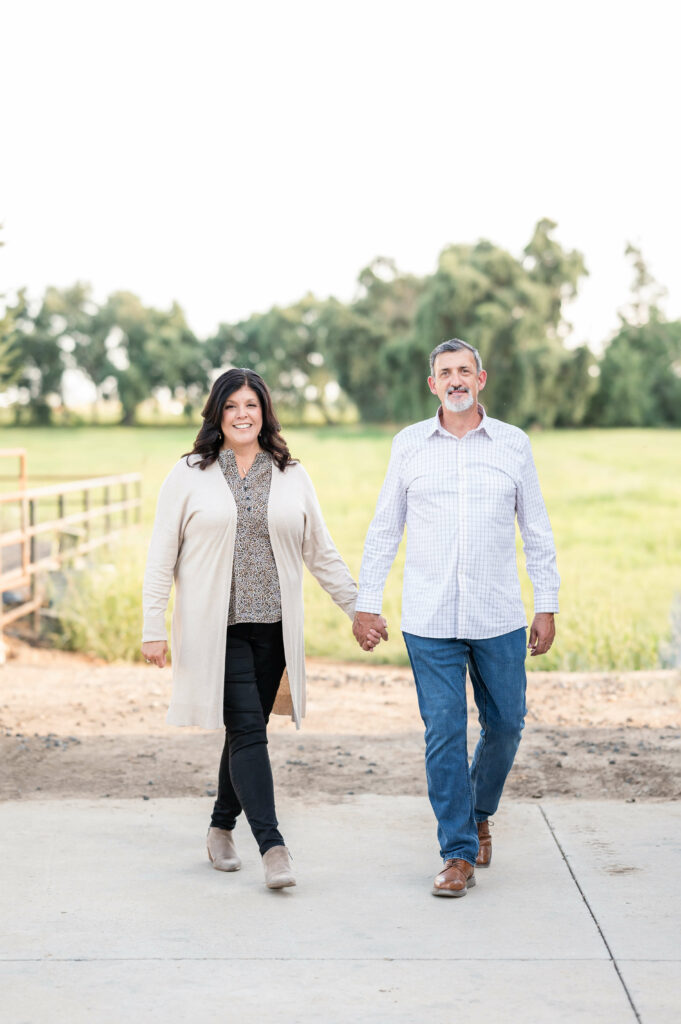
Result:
x=614 y=498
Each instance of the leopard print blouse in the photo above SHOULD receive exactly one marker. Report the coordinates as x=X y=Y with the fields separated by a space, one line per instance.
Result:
x=255 y=594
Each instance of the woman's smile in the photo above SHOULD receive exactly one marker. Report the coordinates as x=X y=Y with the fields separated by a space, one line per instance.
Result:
x=241 y=418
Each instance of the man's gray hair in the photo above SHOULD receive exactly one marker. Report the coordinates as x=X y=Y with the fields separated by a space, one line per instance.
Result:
x=454 y=345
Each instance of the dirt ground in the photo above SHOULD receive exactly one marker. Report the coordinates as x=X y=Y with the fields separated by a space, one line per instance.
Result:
x=75 y=727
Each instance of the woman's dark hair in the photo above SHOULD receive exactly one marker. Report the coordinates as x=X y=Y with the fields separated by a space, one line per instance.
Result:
x=209 y=438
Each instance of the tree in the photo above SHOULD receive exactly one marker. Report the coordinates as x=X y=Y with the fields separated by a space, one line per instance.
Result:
x=175 y=353
x=88 y=334
x=511 y=310
x=10 y=350
x=640 y=371
x=10 y=354
x=149 y=349
x=556 y=269
x=287 y=347
x=645 y=303
x=640 y=377
x=355 y=343
x=362 y=338
x=38 y=335
x=576 y=385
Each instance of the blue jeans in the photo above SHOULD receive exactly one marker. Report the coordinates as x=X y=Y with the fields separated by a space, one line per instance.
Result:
x=459 y=796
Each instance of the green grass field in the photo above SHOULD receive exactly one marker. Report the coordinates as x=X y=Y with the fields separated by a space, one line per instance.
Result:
x=614 y=498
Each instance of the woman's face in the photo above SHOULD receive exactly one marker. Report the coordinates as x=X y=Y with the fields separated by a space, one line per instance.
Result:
x=241 y=418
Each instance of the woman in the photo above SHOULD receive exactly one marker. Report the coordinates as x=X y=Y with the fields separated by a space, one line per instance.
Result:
x=236 y=519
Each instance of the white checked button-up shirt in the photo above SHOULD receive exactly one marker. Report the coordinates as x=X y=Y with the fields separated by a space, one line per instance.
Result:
x=459 y=498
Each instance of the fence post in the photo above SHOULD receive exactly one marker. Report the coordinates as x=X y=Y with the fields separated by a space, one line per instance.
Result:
x=32 y=519
x=86 y=508
x=26 y=501
x=60 y=515
x=25 y=546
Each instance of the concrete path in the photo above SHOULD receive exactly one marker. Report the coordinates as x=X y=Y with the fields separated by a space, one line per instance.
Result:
x=111 y=914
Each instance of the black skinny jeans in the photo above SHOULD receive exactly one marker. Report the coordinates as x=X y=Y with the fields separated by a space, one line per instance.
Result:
x=254 y=665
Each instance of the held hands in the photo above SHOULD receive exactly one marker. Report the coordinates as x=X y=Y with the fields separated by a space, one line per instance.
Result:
x=155 y=652
x=369 y=629
x=542 y=632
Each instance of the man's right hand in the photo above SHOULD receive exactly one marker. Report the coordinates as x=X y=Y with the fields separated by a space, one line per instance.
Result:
x=155 y=652
x=369 y=629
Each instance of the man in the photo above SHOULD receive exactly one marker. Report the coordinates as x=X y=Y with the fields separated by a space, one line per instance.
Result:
x=458 y=481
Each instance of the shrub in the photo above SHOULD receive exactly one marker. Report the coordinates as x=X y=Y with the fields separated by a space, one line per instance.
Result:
x=98 y=605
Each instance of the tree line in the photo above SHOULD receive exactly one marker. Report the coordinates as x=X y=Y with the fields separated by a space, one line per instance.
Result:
x=369 y=356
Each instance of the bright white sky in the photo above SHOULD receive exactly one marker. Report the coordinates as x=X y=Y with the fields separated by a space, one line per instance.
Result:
x=236 y=155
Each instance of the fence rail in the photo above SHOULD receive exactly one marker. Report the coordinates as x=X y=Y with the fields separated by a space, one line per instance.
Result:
x=20 y=454
x=107 y=506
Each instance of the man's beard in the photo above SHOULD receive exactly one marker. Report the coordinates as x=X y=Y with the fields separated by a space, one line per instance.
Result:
x=464 y=402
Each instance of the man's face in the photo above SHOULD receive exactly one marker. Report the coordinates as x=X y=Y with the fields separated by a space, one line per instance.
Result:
x=456 y=380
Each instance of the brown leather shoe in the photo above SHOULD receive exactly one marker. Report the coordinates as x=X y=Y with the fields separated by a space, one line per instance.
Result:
x=485 y=852
x=456 y=877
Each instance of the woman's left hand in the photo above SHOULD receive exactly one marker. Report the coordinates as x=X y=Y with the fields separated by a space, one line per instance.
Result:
x=373 y=639
x=367 y=635
x=155 y=652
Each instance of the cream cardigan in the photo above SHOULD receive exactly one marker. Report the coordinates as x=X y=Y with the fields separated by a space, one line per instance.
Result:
x=193 y=543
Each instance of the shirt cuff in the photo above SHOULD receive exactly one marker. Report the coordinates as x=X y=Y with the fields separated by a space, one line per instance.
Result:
x=368 y=602
x=154 y=627
x=546 y=603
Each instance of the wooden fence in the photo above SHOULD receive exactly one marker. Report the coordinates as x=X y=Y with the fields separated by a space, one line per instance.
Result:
x=89 y=513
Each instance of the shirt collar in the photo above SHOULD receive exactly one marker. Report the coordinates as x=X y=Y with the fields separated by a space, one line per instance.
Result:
x=484 y=426
x=227 y=459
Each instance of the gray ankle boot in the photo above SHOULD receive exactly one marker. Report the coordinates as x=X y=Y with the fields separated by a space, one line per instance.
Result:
x=221 y=850
x=277 y=864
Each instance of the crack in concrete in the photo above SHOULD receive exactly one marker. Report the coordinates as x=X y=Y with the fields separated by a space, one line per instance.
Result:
x=593 y=916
